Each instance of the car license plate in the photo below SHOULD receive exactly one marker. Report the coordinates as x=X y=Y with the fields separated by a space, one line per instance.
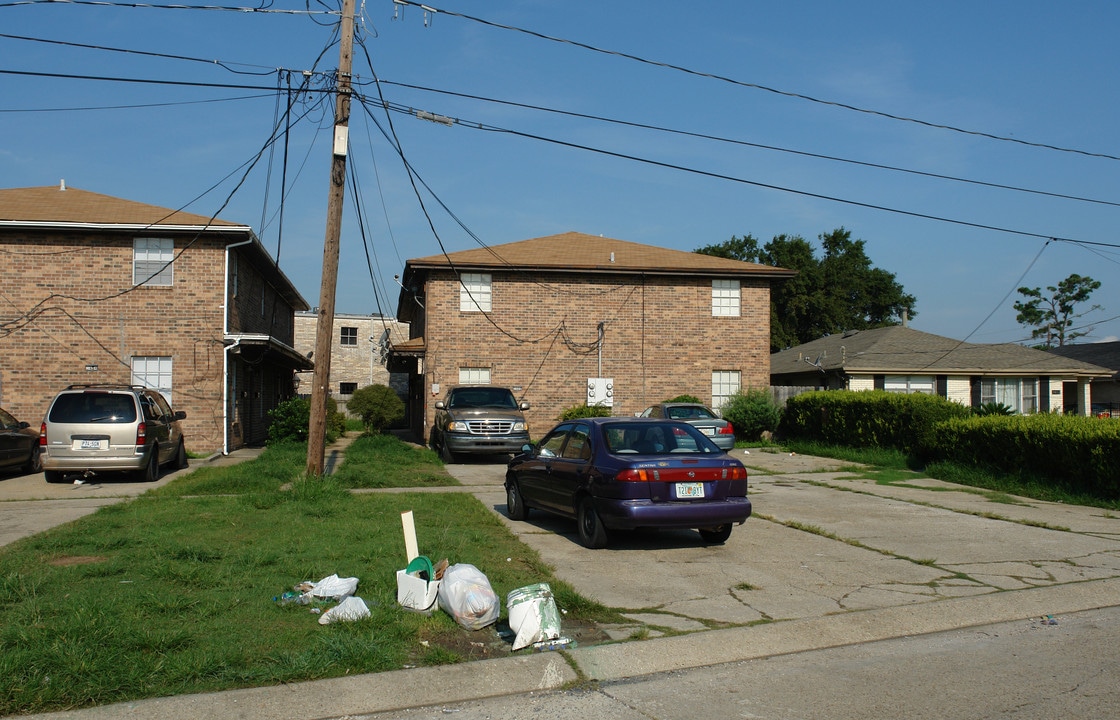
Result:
x=87 y=445
x=708 y=430
x=690 y=490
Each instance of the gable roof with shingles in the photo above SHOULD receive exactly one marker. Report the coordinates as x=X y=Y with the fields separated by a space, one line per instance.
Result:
x=59 y=206
x=903 y=350
x=579 y=252
x=1105 y=354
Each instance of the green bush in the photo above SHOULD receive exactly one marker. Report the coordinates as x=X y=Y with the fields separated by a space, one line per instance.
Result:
x=993 y=408
x=291 y=420
x=867 y=419
x=752 y=412
x=685 y=399
x=1079 y=453
x=583 y=411
x=378 y=406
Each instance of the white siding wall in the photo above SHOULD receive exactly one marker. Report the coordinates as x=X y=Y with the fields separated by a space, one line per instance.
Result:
x=861 y=382
x=958 y=389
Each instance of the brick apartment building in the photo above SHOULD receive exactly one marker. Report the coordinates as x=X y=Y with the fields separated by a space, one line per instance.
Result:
x=359 y=350
x=560 y=317
x=97 y=289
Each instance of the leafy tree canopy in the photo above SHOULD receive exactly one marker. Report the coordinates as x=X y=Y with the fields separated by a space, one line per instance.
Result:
x=837 y=291
x=1052 y=315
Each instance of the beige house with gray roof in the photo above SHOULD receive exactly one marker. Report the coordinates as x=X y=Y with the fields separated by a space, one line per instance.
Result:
x=901 y=359
x=574 y=318
x=98 y=289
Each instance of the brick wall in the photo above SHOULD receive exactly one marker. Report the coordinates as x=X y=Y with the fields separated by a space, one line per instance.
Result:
x=660 y=339
x=70 y=317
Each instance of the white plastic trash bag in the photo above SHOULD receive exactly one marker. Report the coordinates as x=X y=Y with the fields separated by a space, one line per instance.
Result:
x=533 y=615
x=350 y=609
x=465 y=594
x=334 y=588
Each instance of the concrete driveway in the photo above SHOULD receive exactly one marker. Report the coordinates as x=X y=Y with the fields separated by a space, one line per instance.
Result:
x=825 y=538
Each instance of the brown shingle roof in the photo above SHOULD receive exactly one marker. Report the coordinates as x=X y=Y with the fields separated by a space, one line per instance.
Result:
x=52 y=205
x=573 y=251
x=904 y=350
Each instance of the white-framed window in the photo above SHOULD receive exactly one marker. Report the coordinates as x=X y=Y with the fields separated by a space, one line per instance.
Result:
x=1019 y=394
x=474 y=292
x=725 y=383
x=474 y=376
x=910 y=384
x=151 y=261
x=725 y=298
x=153 y=371
x=348 y=336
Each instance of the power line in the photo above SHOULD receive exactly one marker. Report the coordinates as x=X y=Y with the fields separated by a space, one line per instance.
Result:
x=756 y=86
x=756 y=183
x=745 y=143
x=224 y=8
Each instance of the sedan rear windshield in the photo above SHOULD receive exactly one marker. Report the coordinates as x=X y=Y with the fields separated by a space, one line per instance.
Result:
x=90 y=407
x=656 y=439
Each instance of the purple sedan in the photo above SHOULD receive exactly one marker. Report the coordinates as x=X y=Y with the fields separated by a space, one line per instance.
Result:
x=620 y=473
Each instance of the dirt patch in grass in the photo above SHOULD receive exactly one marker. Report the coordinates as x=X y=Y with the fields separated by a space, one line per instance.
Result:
x=497 y=640
x=76 y=560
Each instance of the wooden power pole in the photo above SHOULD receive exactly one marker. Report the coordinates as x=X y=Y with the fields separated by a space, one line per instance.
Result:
x=324 y=327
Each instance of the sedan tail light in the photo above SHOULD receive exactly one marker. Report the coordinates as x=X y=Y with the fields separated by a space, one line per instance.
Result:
x=727 y=430
x=635 y=475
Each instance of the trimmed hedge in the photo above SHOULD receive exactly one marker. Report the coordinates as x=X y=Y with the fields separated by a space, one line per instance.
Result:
x=1081 y=453
x=873 y=418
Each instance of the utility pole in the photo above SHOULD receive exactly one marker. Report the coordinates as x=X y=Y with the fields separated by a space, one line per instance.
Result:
x=324 y=326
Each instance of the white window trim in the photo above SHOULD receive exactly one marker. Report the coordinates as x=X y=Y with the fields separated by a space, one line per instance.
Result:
x=155 y=372
x=726 y=298
x=475 y=292
x=150 y=254
x=474 y=376
x=725 y=383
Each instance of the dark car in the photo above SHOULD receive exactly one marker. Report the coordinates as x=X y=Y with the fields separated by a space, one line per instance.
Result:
x=629 y=473
x=720 y=431
x=19 y=445
x=478 y=420
x=92 y=429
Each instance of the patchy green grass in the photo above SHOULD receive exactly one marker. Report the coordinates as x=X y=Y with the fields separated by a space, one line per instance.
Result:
x=172 y=592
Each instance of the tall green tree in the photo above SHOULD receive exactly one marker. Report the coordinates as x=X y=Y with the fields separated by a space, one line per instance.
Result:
x=1051 y=316
x=838 y=291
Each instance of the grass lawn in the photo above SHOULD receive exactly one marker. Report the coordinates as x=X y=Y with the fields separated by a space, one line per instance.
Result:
x=172 y=592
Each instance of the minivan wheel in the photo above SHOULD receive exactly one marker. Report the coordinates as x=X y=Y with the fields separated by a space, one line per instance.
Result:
x=150 y=473
x=716 y=535
x=592 y=534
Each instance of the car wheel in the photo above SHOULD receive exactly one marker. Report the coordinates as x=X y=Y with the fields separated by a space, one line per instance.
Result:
x=515 y=504
x=181 y=456
x=150 y=473
x=592 y=534
x=716 y=535
x=53 y=476
x=35 y=462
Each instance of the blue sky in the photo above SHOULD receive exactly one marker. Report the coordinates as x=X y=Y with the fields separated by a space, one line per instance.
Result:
x=1033 y=73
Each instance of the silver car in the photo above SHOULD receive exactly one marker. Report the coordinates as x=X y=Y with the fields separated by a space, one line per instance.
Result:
x=93 y=429
x=702 y=417
x=478 y=420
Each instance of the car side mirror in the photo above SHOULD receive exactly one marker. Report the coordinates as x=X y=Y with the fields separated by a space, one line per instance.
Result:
x=527 y=448
x=180 y=415
x=524 y=405
x=439 y=405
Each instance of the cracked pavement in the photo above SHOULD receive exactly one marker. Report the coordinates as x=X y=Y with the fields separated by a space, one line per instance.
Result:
x=824 y=539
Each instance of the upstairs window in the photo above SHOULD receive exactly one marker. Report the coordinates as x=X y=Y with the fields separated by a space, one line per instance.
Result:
x=474 y=292
x=348 y=336
x=347 y=388
x=725 y=298
x=474 y=376
x=151 y=261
